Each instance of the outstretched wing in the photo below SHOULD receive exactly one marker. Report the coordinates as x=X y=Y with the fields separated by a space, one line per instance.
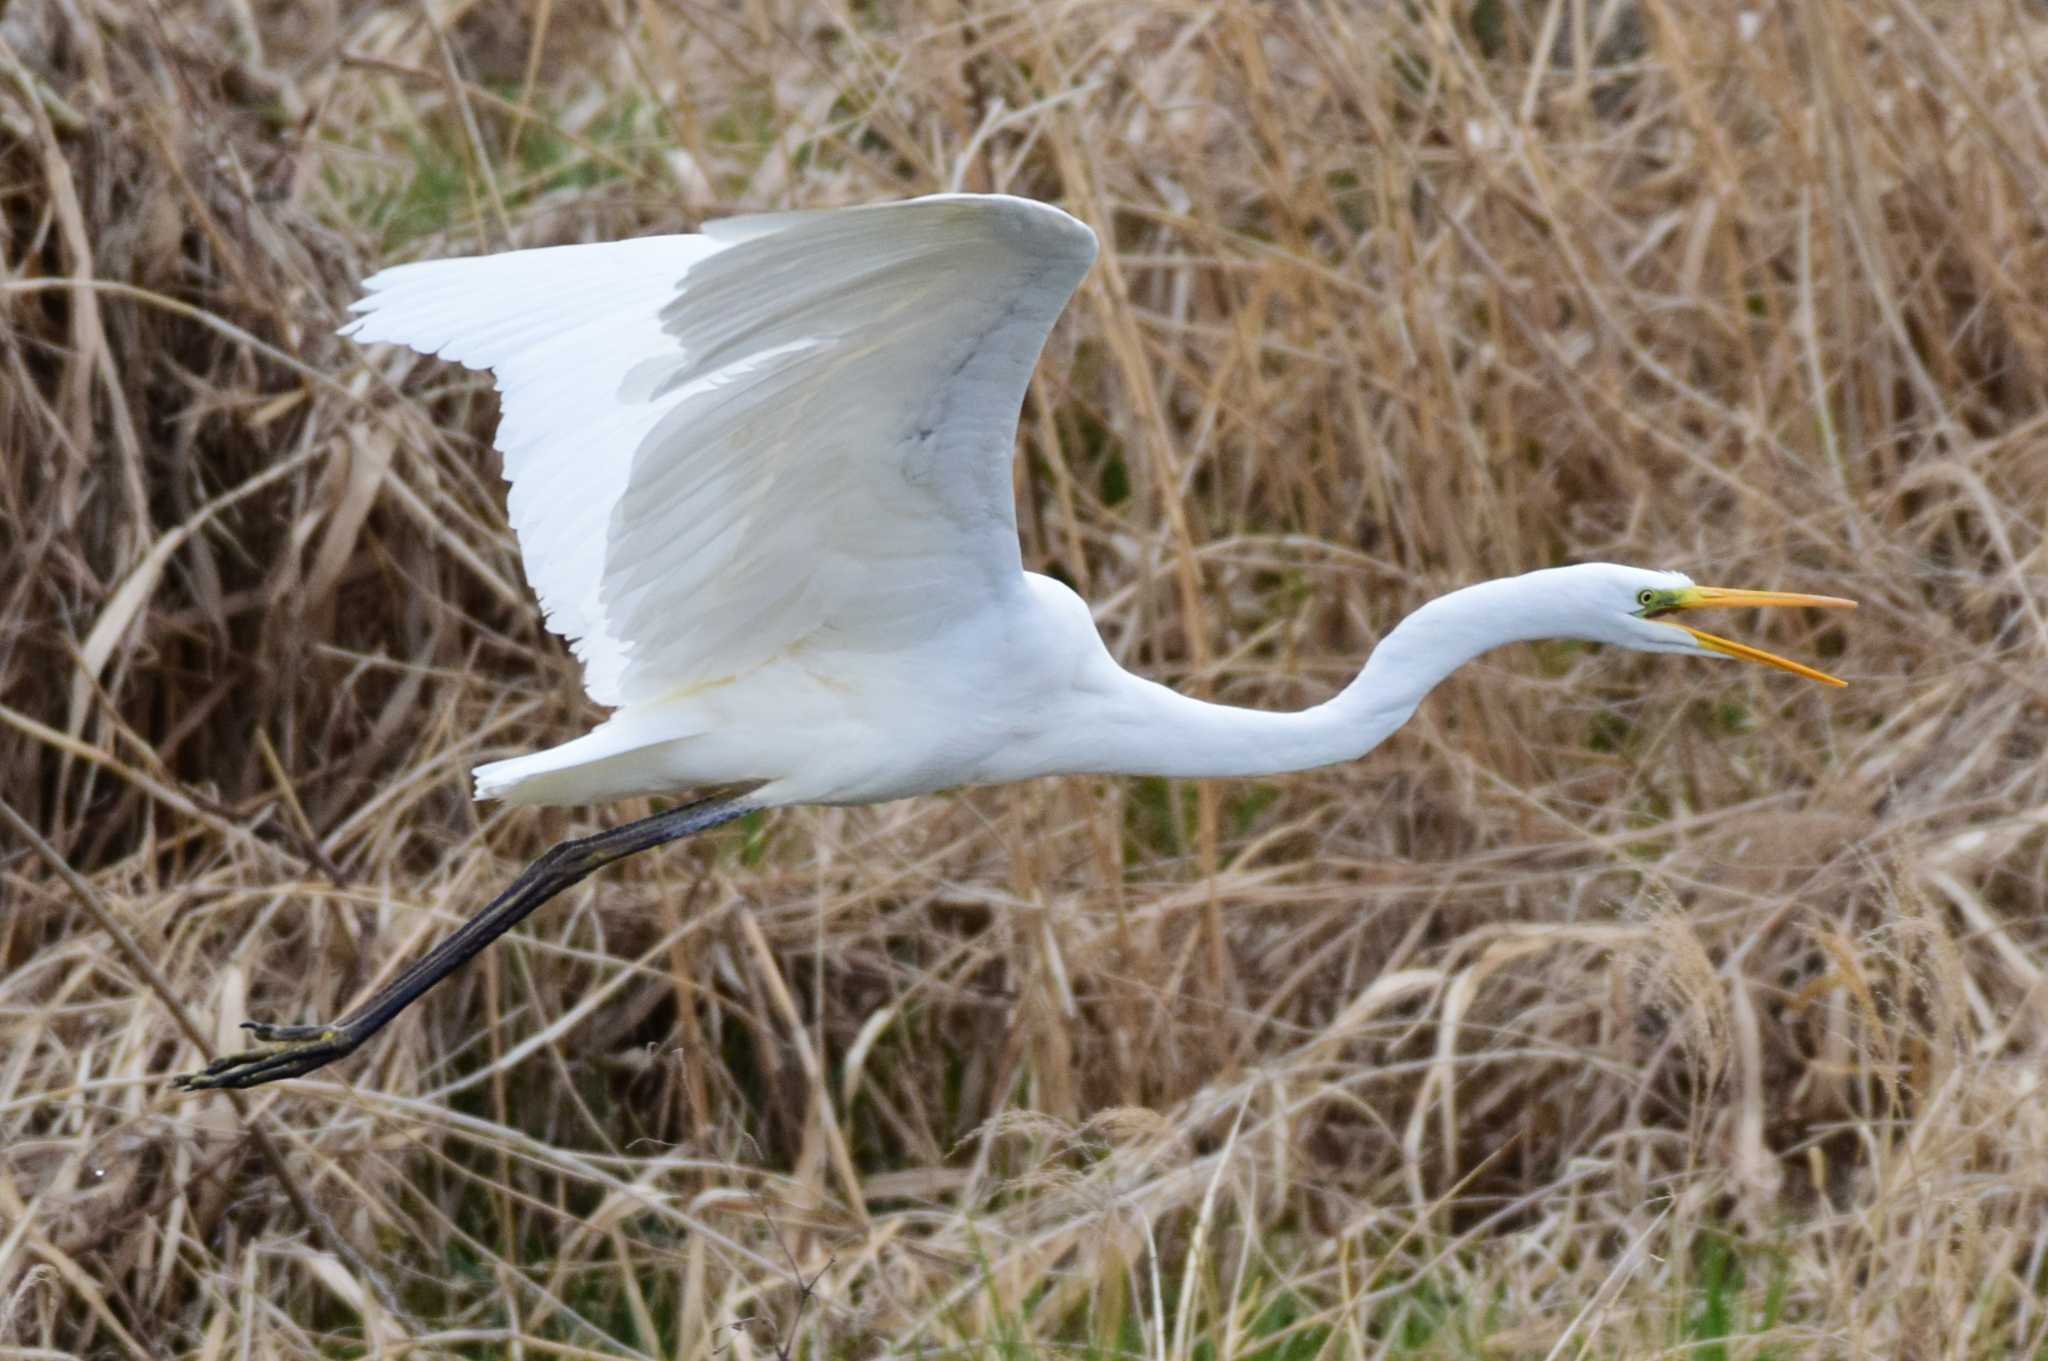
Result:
x=790 y=428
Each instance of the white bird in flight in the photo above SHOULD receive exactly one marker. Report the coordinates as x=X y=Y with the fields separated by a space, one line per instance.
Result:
x=761 y=479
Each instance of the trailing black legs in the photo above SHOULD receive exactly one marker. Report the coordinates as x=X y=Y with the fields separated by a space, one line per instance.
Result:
x=294 y=1050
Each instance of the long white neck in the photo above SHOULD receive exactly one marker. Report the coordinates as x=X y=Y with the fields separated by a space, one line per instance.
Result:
x=1142 y=728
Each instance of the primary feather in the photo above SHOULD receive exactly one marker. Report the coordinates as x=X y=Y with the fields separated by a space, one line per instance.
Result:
x=558 y=326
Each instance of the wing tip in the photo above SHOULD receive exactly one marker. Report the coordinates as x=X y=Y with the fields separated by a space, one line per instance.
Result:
x=1029 y=224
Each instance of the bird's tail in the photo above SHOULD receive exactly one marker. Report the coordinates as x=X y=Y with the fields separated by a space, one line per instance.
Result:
x=635 y=751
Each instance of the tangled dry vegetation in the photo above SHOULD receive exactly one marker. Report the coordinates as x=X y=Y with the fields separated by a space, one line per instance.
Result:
x=1621 y=1006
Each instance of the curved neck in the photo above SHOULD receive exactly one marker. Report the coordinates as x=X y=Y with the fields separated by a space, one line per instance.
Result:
x=1142 y=728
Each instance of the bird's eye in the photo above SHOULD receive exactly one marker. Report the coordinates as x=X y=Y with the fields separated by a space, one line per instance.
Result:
x=1646 y=597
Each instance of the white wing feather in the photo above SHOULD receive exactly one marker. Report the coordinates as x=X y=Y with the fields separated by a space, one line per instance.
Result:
x=557 y=325
x=798 y=427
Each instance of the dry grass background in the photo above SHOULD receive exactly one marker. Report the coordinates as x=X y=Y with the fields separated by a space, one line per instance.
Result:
x=1620 y=1006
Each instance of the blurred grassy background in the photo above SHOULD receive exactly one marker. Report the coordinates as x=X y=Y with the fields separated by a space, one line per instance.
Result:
x=1620 y=1006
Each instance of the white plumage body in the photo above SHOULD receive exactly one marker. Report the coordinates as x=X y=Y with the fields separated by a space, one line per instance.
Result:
x=819 y=724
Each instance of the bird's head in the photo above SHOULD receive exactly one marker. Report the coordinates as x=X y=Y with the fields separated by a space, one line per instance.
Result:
x=1636 y=608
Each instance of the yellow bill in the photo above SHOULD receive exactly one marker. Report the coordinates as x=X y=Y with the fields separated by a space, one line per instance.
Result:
x=1720 y=597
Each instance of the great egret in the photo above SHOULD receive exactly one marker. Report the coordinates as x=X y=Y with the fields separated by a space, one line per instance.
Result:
x=761 y=482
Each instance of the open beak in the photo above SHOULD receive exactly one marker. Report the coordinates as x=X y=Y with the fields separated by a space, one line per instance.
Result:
x=1718 y=597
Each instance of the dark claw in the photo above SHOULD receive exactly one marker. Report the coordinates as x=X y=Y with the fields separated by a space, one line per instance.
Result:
x=286 y=1051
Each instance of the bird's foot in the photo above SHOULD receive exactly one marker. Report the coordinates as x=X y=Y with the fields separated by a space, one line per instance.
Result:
x=285 y=1051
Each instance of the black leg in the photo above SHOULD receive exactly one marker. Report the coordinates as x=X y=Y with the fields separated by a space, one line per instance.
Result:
x=294 y=1050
